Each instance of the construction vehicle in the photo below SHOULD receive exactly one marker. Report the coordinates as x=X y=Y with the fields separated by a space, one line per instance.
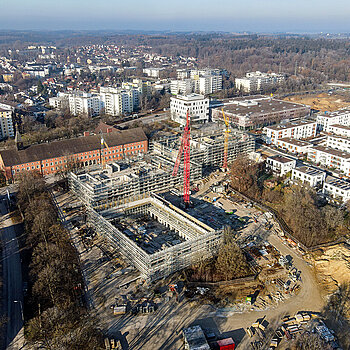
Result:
x=227 y=133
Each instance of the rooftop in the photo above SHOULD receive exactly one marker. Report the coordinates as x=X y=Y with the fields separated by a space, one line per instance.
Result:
x=259 y=105
x=335 y=113
x=68 y=147
x=290 y=125
x=334 y=181
x=294 y=142
x=309 y=171
x=195 y=338
x=332 y=151
x=344 y=127
x=190 y=97
x=281 y=159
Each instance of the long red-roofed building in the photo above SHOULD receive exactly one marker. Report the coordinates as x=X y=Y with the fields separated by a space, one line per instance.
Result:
x=49 y=158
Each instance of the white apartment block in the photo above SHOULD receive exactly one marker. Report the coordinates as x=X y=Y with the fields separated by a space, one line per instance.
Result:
x=197 y=106
x=183 y=74
x=6 y=124
x=197 y=73
x=280 y=165
x=152 y=72
x=336 y=188
x=118 y=101
x=338 y=142
x=341 y=117
x=257 y=81
x=339 y=130
x=311 y=176
x=182 y=87
x=293 y=145
x=209 y=84
x=331 y=158
x=61 y=101
x=83 y=103
x=299 y=129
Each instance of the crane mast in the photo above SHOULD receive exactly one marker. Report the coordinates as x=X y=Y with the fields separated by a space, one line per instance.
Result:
x=185 y=149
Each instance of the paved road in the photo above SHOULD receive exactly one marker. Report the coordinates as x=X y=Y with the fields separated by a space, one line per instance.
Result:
x=147 y=119
x=13 y=288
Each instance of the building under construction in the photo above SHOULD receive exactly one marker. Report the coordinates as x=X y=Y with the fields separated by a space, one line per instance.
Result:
x=207 y=149
x=120 y=182
x=155 y=236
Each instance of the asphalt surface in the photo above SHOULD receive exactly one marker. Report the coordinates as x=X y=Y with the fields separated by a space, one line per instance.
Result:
x=12 y=275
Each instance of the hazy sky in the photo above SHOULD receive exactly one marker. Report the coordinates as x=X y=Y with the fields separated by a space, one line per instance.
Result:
x=226 y=15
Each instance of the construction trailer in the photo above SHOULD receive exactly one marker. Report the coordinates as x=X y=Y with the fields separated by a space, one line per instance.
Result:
x=196 y=240
x=121 y=182
x=207 y=149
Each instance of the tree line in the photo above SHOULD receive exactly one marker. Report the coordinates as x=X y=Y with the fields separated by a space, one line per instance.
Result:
x=311 y=219
x=56 y=317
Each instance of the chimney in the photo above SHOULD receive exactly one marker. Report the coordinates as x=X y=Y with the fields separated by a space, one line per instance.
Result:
x=109 y=130
x=86 y=133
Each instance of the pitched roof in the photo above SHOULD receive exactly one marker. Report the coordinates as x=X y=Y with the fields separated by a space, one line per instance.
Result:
x=71 y=146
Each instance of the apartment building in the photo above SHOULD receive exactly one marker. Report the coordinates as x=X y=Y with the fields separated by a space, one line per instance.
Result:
x=197 y=106
x=182 y=87
x=330 y=157
x=83 y=103
x=209 y=84
x=299 y=129
x=183 y=74
x=49 y=158
x=6 y=123
x=338 y=142
x=253 y=112
x=340 y=117
x=293 y=145
x=61 y=101
x=152 y=72
x=258 y=81
x=118 y=101
x=313 y=177
x=338 y=129
x=280 y=165
x=336 y=188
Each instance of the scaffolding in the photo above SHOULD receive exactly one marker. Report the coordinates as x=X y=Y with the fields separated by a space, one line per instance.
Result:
x=123 y=182
x=200 y=241
x=207 y=149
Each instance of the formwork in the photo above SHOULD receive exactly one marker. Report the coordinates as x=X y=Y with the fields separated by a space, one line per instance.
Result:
x=200 y=241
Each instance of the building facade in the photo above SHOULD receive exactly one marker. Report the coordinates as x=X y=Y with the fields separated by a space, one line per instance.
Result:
x=197 y=106
x=49 y=158
x=313 y=177
x=299 y=129
x=336 y=188
x=6 y=123
x=331 y=158
x=257 y=81
x=258 y=111
x=293 y=145
x=325 y=120
x=280 y=165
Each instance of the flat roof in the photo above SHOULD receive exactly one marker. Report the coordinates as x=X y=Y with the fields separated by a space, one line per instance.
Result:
x=335 y=113
x=259 y=105
x=339 y=183
x=290 y=125
x=340 y=126
x=309 y=171
x=332 y=151
x=295 y=142
x=281 y=159
x=195 y=338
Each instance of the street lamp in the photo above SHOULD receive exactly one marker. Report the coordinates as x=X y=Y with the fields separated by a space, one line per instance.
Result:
x=21 y=305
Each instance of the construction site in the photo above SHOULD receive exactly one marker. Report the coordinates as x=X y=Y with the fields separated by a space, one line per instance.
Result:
x=120 y=182
x=155 y=236
x=207 y=149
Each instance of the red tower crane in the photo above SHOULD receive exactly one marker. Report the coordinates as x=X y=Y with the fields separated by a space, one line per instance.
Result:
x=185 y=148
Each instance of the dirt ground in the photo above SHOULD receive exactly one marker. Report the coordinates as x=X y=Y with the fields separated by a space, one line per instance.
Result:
x=323 y=102
x=333 y=266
